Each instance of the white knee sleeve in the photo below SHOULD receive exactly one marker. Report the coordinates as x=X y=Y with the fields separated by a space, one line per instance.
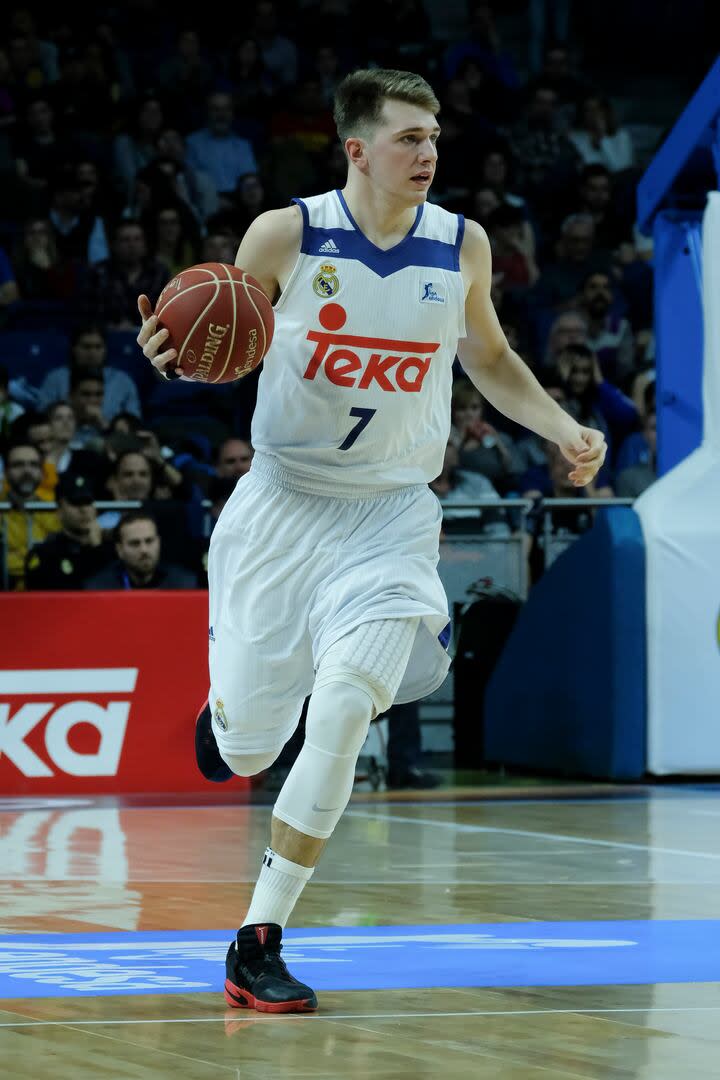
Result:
x=320 y=782
x=250 y=764
x=372 y=657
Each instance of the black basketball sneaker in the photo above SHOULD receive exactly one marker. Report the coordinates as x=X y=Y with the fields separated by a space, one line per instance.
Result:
x=207 y=755
x=256 y=976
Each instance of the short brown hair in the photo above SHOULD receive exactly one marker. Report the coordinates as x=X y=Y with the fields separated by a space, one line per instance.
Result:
x=359 y=98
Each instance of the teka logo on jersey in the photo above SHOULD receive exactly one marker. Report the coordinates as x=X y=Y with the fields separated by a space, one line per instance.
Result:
x=110 y=720
x=360 y=362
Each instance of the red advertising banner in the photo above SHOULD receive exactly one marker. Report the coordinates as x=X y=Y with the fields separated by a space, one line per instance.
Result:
x=99 y=692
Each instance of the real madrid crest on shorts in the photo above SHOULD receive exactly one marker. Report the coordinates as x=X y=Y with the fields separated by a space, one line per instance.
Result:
x=220 y=718
x=326 y=283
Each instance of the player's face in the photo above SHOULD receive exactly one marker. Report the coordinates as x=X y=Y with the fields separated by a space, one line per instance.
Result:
x=402 y=152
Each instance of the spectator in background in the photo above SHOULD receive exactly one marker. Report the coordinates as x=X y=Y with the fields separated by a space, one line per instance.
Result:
x=194 y=186
x=594 y=401
x=217 y=149
x=513 y=247
x=172 y=238
x=42 y=53
x=112 y=287
x=598 y=138
x=547 y=160
x=595 y=197
x=39 y=149
x=484 y=201
x=138 y=564
x=8 y=95
x=250 y=201
x=530 y=448
x=87 y=392
x=79 y=231
x=9 y=292
x=494 y=172
x=482 y=449
x=77 y=551
x=132 y=479
x=22 y=480
x=248 y=80
x=636 y=466
x=219 y=246
x=482 y=43
x=9 y=410
x=559 y=72
x=279 y=53
x=456 y=485
x=568 y=328
x=186 y=77
x=576 y=258
x=609 y=333
x=234 y=457
x=41 y=273
x=134 y=149
x=88 y=354
x=65 y=453
x=86 y=95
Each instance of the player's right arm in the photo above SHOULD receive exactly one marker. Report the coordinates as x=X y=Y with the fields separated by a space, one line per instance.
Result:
x=268 y=252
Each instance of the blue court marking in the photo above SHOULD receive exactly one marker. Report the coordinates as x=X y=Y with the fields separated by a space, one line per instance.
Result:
x=366 y=958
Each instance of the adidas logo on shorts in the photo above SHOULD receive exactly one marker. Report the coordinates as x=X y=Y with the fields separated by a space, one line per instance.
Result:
x=329 y=248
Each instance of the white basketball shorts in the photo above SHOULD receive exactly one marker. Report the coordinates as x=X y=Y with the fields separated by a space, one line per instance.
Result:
x=290 y=572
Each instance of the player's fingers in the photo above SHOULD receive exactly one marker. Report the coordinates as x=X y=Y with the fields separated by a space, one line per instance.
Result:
x=147 y=329
x=165 y=363
x=144 y=307
x=154 y=343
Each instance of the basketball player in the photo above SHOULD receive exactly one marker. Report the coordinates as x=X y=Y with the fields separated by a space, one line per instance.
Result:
x=322 y=571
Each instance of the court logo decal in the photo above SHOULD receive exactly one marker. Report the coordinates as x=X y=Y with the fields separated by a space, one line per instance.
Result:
x=365 y=958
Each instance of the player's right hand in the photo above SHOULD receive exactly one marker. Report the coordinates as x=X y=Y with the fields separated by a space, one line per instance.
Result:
x=151 y=340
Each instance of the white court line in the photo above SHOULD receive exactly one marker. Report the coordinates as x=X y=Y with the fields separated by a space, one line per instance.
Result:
x=537 y=835
x=243 y=1014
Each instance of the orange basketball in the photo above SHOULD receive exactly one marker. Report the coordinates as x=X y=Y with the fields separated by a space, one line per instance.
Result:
x=220 y=322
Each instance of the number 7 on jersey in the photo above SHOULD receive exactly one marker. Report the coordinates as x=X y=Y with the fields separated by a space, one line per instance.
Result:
x=366 y=416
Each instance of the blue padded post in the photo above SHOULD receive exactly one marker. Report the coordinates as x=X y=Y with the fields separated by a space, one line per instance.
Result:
x=679 y=336
x=568 y=694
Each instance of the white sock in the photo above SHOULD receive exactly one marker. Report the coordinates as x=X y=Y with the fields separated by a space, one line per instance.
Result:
x=277 y=890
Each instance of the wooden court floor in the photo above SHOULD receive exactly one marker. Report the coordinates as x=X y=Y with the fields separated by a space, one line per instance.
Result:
x=563 y=938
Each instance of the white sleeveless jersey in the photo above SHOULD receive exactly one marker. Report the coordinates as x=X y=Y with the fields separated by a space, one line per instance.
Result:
x=354 y=394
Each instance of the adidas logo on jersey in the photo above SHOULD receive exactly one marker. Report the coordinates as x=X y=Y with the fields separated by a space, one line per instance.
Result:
x=329 y=248
x=363 y=362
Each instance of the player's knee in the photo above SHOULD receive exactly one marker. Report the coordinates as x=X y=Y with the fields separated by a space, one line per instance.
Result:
x=339 y=717
x=250 y=764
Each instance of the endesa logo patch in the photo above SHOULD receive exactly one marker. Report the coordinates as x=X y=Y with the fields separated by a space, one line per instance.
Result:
x=361 y=362
x=19 y=718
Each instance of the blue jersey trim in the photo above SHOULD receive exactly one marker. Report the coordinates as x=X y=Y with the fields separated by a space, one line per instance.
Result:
x=352 y=244
x=380 y=251
x=306 y=221
x=459 y=239
x=444 y=636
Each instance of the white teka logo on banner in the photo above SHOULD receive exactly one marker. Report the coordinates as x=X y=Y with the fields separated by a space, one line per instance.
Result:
x=110 y=720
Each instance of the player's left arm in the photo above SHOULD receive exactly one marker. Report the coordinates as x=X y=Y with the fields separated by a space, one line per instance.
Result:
x=503 y=377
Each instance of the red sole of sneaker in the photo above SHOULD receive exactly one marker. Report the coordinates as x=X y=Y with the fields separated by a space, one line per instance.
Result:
x=240 y=999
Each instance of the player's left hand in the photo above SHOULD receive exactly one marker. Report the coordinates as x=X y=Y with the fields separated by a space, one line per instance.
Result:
x=586 y=453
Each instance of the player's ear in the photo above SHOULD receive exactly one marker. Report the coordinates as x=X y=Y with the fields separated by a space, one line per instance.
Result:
x=355 y=150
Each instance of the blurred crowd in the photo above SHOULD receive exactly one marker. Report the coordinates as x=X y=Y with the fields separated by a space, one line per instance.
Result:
x=133 y=144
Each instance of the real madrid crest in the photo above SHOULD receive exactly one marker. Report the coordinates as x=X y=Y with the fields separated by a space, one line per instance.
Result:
x=220 y=717
x=326 y=283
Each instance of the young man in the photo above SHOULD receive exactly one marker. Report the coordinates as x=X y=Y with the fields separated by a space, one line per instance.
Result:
x=323 y=563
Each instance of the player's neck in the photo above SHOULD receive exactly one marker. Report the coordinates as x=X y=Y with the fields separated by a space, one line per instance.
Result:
x=381 y=218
